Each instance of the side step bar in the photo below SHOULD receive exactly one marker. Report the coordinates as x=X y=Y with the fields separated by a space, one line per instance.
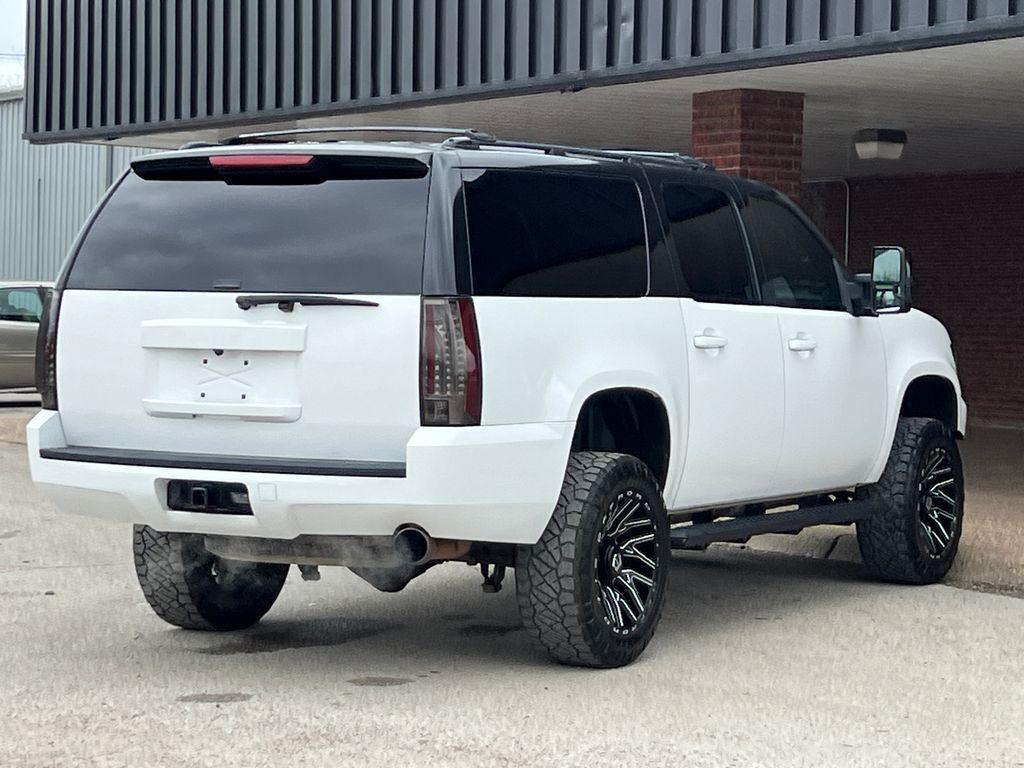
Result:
x=699 y=535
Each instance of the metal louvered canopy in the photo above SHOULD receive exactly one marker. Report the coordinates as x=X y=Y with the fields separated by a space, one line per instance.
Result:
x=115 y=68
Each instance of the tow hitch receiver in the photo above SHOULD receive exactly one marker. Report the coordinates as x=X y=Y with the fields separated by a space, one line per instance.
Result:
x=211 y=498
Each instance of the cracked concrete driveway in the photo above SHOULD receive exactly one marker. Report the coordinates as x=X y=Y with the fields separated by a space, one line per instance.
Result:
x=761 y=659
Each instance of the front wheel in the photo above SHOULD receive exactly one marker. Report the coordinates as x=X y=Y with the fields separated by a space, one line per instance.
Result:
x=592 y=589
x=914 y=537
x=188 y=586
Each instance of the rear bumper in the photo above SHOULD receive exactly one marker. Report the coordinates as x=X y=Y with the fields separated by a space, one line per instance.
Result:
x=495 y=483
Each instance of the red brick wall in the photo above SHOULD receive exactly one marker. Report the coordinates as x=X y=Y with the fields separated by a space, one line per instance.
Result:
x=965 y=236
x=752 y=133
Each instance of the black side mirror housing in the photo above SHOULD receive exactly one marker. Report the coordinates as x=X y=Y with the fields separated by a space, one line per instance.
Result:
x=890 y=277
x=862 y=295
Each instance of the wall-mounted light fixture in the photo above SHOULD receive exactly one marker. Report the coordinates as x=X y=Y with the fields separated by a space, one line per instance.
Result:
x=880 y=143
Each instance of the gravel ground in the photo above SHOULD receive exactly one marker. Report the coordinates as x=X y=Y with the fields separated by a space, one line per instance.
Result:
x=761 y=659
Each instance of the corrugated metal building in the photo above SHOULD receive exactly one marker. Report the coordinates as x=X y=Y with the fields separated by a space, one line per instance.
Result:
x=46 y=192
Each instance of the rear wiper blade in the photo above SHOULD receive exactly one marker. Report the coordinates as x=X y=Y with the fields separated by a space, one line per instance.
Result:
x=287 y=302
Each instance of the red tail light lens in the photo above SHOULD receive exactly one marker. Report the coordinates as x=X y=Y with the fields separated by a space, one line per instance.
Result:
x=46 y=352
x=451 y=392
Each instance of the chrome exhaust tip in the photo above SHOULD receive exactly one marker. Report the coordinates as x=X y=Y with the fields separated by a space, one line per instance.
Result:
x=413 y=546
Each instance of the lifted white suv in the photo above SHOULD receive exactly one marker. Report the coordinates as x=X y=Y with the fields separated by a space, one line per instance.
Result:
x=565 y=361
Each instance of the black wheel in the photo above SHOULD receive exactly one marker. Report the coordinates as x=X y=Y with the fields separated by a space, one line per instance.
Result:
x=592 y=589
x=914 y=538
x=189 y=587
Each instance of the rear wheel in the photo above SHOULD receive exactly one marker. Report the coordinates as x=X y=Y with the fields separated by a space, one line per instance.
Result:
x=592 y=589
x=914 y=537
x=189 y=587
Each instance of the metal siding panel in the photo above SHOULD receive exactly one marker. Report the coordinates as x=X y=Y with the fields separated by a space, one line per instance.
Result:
x=56 y=81
x=427 y=45
x=217 y=42
x=95 y=108
x=911 y=13
x=170 y=77
x=83 y=60
x=362 y=60
x=286 y=52
x=471 y=56
x=138 y=85
x=343 y=50
x=621 y=27
x=124 y=59
x=709 y=28
x=155 y=42
x=382 y=48
x=773 y=23
x=840 y=18
x=985 y=9
x=269 y=54
x=201 y=65
x=678 y=42
x=251 y=54
x=740 y=22
x=32 y=50
x=875 y=16
x=570 y=16
x=806 y=20
x=404 y=52
x=495 y=53
x=595 y=20
x=234 y=56
x=324 y=33
x=649 y=28
x=542 y=40
x=517 y=29
x=448 y=43
x=304 y=52
x=110 y=60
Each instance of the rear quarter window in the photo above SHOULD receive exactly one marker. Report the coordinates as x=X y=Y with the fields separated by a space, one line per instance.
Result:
x=336 y=236
x=547 y=233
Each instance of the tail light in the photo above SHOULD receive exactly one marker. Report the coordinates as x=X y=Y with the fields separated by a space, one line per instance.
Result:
x=450 y=382
x=46 y=351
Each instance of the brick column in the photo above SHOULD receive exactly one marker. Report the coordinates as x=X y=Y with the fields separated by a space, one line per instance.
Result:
x=752 y=133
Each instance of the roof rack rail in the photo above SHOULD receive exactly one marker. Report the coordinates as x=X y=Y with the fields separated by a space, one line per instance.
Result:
x=283 y=135
x=562 y=149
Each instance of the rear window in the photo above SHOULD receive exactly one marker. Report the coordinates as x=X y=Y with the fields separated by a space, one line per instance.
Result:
x=363 y=235
x=544 y=233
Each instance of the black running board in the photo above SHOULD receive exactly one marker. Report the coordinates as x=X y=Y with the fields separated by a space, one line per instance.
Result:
x=699 y=535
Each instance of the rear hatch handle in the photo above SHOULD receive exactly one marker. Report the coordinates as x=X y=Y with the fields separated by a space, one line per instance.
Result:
x=287 y=302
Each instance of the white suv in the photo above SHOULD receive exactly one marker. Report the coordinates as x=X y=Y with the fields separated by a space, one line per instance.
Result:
x=565 y=361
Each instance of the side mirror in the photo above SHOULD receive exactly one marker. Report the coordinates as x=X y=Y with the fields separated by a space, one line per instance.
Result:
x=890 y=277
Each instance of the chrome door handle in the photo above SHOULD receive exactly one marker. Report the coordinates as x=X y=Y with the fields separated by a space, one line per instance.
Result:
x=709 y=342
x=803 y=344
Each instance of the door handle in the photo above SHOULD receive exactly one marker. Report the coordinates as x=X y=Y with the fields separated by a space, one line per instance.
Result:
x=803 y=344
x=709 y=342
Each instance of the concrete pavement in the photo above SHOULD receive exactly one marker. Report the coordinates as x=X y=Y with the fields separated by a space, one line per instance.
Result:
x=761 y=659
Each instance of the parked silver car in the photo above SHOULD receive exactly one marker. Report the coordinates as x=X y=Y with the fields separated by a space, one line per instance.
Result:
x=20 y=307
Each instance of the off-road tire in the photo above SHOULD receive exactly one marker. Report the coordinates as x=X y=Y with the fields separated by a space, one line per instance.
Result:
x=893 y=542
x=556 y=578
x=189 y=587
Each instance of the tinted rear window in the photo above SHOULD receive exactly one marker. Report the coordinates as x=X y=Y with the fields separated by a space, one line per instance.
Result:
x=542 y=233
x=337 y=236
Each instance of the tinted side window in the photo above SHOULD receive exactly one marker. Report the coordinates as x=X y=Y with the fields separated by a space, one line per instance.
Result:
x=709 y=242
x=796 y=269
x=543 y=233
x=20 y=305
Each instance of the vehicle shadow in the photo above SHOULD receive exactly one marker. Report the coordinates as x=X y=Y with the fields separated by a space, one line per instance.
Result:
x=440 y=622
